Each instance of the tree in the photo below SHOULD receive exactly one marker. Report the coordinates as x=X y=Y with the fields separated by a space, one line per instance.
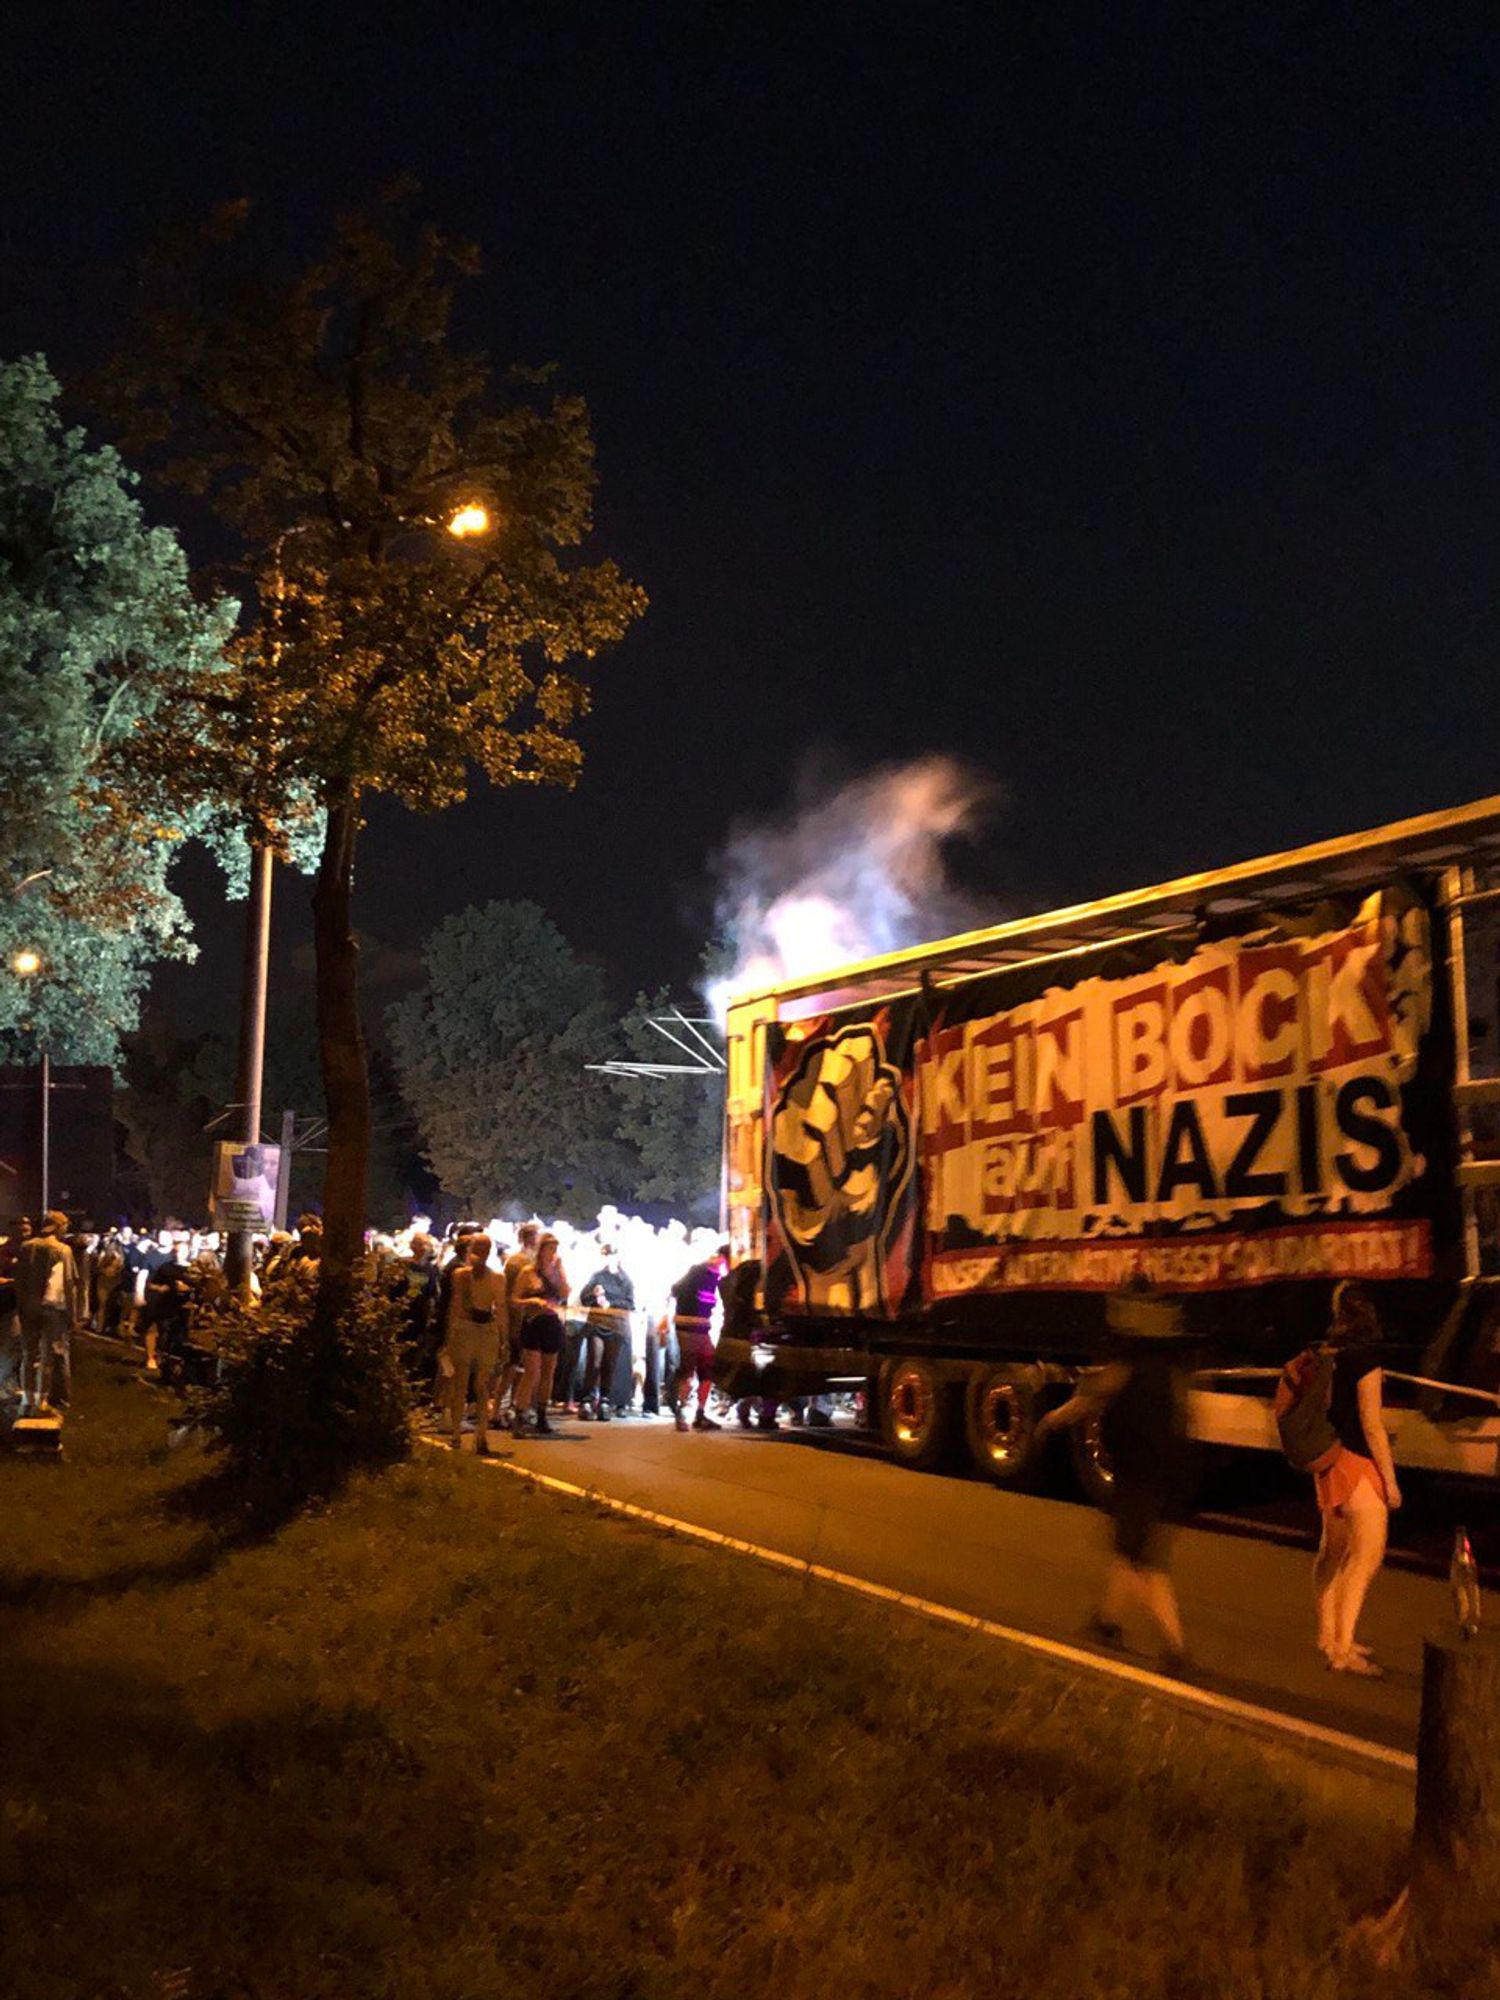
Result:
x=331 y=422
x=492 y=1052
x=674 y=1125
x=97 y=622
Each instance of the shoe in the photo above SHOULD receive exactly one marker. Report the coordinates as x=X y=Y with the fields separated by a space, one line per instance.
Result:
x=153 y=1368
x=682 y=1421
x=570 y=1409
x=1103 y=1633
x=585 y=1414
x=606 y=1414
x=518 y=1424
x=704 y=1422
x=1356 y=1663
x=482 y=1447
x=1175 y=1665
x=768 y=1423
x=544 y=1427
x=819 y=1420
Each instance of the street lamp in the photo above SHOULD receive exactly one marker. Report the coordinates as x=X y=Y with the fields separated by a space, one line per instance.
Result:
x=26 y=964
x=472 y=518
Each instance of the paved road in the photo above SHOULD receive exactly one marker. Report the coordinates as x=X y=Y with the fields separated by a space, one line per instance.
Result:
x=1027 y=1562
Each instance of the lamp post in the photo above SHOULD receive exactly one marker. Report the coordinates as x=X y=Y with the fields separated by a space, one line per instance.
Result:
x=467 y=520
x=26 y=964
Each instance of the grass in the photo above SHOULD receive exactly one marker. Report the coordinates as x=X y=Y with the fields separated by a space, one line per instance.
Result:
x=453 y=1737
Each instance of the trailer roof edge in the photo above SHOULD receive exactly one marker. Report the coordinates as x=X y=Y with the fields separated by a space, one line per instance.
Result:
x=1325 y=864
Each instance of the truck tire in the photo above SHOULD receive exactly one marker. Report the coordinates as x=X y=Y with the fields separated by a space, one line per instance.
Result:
x=1091 y=1466
x=918 y=1415
x=1001 y=1409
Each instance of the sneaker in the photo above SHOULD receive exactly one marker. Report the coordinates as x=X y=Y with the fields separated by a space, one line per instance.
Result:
x=820 y=1420
x=682 y=1421
x=518 y=1424
x=606 y=1414
x=482 y=1448
x=771 y=1423
x=585 y=1414
x=704 y=1422
x=742 y=1415
x=544 y=1427
x=570 y=1409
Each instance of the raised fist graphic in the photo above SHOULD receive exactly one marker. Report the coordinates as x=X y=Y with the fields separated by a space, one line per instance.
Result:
x=840 y=1155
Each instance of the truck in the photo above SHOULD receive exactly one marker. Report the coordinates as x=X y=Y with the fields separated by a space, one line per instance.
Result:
x=1237 y=1088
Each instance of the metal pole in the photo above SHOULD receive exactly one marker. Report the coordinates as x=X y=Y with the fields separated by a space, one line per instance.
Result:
x=252 y=1039
x=284 y=1177
x=46 y=1134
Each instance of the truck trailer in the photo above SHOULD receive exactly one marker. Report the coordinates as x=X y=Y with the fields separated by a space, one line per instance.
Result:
x=1237 y=1088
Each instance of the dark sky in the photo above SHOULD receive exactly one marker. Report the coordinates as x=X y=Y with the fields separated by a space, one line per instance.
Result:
x=1105 y=394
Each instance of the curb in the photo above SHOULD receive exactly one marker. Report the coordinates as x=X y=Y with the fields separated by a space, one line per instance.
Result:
x=1334 y=1745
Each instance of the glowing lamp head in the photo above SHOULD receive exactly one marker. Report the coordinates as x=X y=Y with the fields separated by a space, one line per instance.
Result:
x=26 y=963
x=467 y=521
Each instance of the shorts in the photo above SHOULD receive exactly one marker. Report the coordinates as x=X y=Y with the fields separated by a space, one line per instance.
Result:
x=697 y=1355
x=1336 y=1482
x=1141 y=1517
x=542 y=1333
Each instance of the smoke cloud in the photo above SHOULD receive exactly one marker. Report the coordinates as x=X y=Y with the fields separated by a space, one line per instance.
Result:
x=850 y=874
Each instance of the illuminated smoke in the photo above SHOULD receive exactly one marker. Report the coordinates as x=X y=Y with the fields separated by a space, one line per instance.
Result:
x=850 y=875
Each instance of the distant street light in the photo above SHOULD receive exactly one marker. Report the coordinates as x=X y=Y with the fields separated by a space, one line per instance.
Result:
x=26 y=964
x=471 y=519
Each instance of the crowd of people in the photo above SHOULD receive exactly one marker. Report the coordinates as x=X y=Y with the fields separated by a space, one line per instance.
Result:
x=497 y=1332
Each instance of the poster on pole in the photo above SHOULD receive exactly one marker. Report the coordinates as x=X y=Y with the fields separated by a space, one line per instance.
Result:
x=244 y=1190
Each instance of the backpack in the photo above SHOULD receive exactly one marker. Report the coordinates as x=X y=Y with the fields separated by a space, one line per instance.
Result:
x=1308 y=1438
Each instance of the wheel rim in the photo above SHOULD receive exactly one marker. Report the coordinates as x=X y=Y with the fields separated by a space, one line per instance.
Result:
x=1004 y=1424
x=912 y=1401
x=1097 y=1456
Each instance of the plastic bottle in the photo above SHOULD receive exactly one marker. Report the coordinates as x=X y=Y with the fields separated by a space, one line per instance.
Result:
x=1463 y=1581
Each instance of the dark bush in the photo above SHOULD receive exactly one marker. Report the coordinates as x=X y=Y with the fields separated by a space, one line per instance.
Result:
x=297 y=1407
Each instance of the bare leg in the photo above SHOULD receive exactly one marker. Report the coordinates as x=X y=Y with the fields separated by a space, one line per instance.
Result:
x=531 y=1368
x=458 y=1395
x=1368 y=1520
x=544 y=1387
x=1333 y=1553
x=1160 y=1602
x=1119 y=1580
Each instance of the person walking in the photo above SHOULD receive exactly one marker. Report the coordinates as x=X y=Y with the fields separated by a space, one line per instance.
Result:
x=541 y=1292
x=476 y=1313
x=50 y=1306
x=1354 y=1476
x=1140 y=1400
x=694 y=1297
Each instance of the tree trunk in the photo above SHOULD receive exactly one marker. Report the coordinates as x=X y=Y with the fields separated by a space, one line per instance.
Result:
x=1455 y=1877
x=341 y=1048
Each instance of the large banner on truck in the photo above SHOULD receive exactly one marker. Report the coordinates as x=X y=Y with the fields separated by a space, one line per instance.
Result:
x=1235 y=1115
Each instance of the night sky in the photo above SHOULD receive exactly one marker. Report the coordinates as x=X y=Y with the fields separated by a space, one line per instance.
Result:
x=1107 y=395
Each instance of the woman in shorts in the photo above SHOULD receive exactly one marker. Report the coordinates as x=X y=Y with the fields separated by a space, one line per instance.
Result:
x=1357 y=1489
x=542 y=1292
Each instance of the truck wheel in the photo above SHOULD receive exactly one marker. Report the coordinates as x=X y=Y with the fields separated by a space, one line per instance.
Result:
x=1091 y=1466
x=1001 y=1408
x=917 y=1414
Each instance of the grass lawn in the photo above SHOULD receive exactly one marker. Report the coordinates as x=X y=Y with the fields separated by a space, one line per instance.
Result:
x=455 y=1737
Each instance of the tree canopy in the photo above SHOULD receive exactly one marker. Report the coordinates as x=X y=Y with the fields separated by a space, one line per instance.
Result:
x=97 y=624
x=673 y=1125
x=330 y=419
x=492 y=1053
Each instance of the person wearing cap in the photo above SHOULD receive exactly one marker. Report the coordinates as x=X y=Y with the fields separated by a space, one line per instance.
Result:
x=49 y=1304
x=1140 y=1400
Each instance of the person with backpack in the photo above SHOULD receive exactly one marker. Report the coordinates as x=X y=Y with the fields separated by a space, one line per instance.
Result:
x=1328 y=1411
